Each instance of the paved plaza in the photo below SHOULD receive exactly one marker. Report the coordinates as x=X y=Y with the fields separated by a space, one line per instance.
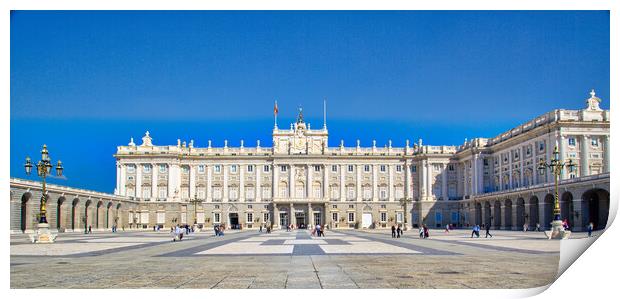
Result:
x=296 y=259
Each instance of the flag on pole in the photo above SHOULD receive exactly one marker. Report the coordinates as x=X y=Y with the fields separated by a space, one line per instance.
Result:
x=275 y=108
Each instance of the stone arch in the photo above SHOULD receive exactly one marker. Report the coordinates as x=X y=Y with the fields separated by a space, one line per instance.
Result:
x=520 y=212
x=548 y=210
x=567 y=210
x=487 y=213
x=478 y=213
x=74 y=213
x=60 y=220
x=117 y=216
x=107 y=215
x=87 y=216
x=596 y=204
x=98 y=214
x=533 y=211
x=508 y=214
x=25 y=213
x=497 y=211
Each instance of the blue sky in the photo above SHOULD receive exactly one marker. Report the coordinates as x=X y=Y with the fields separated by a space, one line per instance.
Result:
x=85 y=82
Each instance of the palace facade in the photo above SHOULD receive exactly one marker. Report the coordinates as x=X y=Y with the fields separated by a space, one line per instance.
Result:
x=301 y=180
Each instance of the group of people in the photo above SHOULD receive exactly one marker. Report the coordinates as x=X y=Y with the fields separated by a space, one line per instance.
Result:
x=396 y=231
x=219 y=230
x=318 y=230
x=476 y=231
x=267 y=228
x=424 y=232
x=177 y=232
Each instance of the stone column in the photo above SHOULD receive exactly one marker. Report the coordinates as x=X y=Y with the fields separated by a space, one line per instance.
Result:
x=292 y=215
x=501 y=176
x=375 y=188
x=275 y=185
x=390 y=182
x=422 y=180
x=276 y=215
x=257 y=192
x=474 y=175
x=534 y=165
x=510 y=170
x=515 y=225
x=123 y=179
x=358 y=181
x=291 y=182
x=326 y=216
x=429 y=180
x=578 y=222
x=138 y=180
x=606 y=152
x=225 y=184
x=407 y=179
x=192 y=181
x=154 y=174
x=242 y=182
x=325 y=182
x=310 y=215
x=343 y=196
x=521 y=166
x=585 y=156
x=118 y=179
x=444 y=181
x=309 y=170
x=209 y=178
x=502 y=215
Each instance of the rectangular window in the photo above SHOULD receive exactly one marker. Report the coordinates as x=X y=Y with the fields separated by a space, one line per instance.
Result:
x=541 y=146
x=351 y=206
x=571 y=141
x=283 y=168
x=383 y=192
x=317 y=168
x=146 y=192
x=451 y=167
x=162 y=168
x=382 y=168
x=185 y=169
x=335 y=217
x=131 y=168
x=201 y=169
x=146 y=168
x=233 y=168
x=383 y=217
x=250 y=168
x=334 y=168
x=414 y=168
x=249 y=192
x=334 y=206
x=250 y=217
x=399 y=168
x=217 y=193
x=399 y=217
x=595 y=142
x=266 y=168
x=334 y=192
x=216 y=217
x=366 y=168
x=265 y=217
x=163 y=192
x=217 y=168
x=266 y=192
x=232 y=193
x=351 y=217
x=350 y=168
x=350 y=192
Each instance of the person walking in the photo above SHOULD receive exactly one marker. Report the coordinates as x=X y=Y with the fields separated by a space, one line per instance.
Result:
x=421 y=232
x=537 y=227
x=393 y=231
x=473 y=230
x=317 y=228
x=90 y=229
x=398 y=232
x=426 y=234
x=447 y=228
x=525 y=227
x=488 y=227
x=590 y=229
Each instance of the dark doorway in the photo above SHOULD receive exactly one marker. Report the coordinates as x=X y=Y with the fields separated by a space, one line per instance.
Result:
x=234 y=220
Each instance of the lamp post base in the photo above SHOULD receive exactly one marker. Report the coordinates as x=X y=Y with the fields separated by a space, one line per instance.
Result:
x=43 y=234
x=557 y=231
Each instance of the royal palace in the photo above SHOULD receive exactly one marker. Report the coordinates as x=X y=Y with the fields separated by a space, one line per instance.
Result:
x=301 y=180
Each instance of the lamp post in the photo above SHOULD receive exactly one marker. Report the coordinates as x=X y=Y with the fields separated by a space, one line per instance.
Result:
x=404 y=202
x=195 y=201
x=556 y=165
x=44 y=168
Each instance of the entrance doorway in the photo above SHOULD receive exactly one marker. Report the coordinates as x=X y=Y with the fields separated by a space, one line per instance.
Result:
x=283 y=219
x=366 y=220
x=300 y=219
x=317 y=218
x=234 y=220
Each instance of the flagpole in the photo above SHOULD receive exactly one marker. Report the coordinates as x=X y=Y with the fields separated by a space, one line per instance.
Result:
x=324 y=113
x=275 y=116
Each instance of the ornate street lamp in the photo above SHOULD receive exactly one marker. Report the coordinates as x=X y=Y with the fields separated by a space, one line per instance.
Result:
x=556 y=166
x=44 y=168
x=195 y=201
x=403 y=202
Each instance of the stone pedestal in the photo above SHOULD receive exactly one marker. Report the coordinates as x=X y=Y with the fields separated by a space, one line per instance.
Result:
x=557 y=231
x=43 y=234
